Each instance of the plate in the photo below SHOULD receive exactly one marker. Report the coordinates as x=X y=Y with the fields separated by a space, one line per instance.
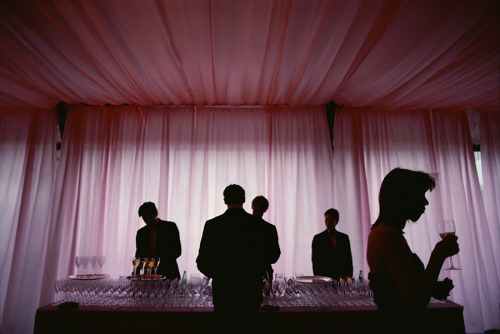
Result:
x=313 y=279
x=88 y=276
x=146 y=277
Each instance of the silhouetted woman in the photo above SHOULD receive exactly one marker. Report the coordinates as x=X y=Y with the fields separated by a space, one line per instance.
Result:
x=402 y=286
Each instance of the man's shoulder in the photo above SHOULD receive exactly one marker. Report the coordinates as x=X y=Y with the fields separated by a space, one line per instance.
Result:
x=166 y=224
x=142 y=229
x=342 y=234
x=266 y=224
x=321 y=234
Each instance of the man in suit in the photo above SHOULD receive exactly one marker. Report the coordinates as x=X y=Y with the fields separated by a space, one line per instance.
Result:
x=235 y=250
x=260 y=204
x=331 y=250
x=158 y=239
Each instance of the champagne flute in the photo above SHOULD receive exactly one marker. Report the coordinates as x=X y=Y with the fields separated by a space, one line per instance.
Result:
x=151 y=264
x=157 y=263
x=446 y=227
x=143 y=264
x=135 y=263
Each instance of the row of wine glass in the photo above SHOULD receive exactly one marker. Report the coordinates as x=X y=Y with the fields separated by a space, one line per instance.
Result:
x=94 y=262
x=197 y=286
x=144 y=266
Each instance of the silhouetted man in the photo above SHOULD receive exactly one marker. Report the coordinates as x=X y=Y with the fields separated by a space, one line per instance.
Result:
x=331 y=250
x=158 y=239
x=260 y=204
x=234 y=251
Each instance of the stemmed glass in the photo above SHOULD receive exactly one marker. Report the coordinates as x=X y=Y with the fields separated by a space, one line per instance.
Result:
x=143 y=264
x=446 y=227
x=100 y=262
x=78 y=264
x=151 y=264
x=93 y=263
x=135 y=263
x=85 y=263
x=157 y=263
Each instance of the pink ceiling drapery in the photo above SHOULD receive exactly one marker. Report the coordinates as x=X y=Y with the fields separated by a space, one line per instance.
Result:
x=383 y=54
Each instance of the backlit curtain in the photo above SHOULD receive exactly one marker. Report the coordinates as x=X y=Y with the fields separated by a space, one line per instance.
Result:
x=27 y=170
x=367 y=145
x=115 y=158
x=490 y=156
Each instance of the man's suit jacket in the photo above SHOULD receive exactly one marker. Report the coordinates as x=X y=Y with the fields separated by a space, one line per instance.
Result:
x=329 y=262
x=168 y=247
x=235 y=250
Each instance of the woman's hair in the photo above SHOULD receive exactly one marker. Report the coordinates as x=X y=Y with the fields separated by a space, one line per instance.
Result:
x=398 y=189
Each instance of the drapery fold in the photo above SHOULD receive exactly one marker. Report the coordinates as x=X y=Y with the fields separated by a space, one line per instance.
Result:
x=384 y=54
x=369 y=144
x=490 y=156
x=27 y=172
x=115 y=158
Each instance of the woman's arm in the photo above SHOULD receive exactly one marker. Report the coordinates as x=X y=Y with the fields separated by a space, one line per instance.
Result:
x=415 y=291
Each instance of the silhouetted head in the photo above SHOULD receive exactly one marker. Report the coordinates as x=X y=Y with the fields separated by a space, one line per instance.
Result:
x=149 y=213
x=402 y=196
x=331 y=219
x=234 y=195
x=259 y=206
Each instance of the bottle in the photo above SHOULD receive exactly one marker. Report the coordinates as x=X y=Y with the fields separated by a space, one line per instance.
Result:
x=183 y=284
x=361 y=276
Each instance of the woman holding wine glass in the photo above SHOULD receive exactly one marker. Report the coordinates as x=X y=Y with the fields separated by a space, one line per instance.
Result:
x=401 y=284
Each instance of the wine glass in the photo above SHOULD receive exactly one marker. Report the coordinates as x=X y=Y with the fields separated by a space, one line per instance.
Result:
x=135 y=263
x=78 y=264
x=85 y=263
x=195 y=281
x=157 y=263
x=93 y=263
x=100 y=262
x=143 y=265
x=446 y=227
x=151 y=264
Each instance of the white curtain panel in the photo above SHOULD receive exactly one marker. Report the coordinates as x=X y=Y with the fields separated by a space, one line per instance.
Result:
x=115 y=158
x=27 y=170
x=367 y=145
x=490 y=156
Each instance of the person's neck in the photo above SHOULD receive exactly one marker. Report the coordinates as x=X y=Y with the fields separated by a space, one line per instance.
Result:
x=399 y=225
x=239 y=205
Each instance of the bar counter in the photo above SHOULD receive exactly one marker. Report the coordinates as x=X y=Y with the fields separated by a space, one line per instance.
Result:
x=122 y=307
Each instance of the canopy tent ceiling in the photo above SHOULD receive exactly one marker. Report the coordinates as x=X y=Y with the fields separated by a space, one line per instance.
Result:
x=379 y=54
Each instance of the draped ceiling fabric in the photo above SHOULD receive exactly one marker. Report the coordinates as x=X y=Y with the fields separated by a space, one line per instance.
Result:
x=418 y=57
x=384 y=54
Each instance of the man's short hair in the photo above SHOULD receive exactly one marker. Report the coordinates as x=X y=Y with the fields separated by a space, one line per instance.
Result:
x=234 y=194
x=148 y=208
x=334 y=213
x=264 y=203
